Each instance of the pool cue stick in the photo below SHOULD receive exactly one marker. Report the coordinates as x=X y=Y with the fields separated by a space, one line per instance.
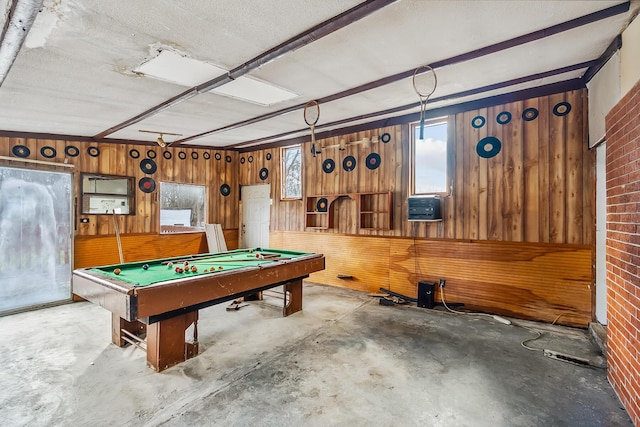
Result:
x=240 y=261
x=115 y=220
x=195 y=258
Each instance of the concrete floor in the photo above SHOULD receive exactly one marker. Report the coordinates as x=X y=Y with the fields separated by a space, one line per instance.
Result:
x=344 y=360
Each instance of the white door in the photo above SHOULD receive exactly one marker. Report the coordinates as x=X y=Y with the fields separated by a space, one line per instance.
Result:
x=254 y=227
x=35 y=238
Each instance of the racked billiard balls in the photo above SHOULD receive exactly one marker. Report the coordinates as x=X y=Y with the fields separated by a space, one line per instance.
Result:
x=145 y=267
x=117 y=271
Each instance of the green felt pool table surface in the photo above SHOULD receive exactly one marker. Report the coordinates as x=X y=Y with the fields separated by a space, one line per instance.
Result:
x=163 y=270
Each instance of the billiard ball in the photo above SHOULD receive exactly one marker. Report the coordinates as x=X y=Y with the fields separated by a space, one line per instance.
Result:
x=117 y=271
x=180 y=270
x=206 y=270
x=194 y=268
x=220 y=268
x=145 y=267
x=170 y=264
x=250 y=251
x=186 y=263
x=177 y=269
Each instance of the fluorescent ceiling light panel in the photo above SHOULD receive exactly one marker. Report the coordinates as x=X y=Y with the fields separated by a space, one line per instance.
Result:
x=175 y=68
x=256 y=91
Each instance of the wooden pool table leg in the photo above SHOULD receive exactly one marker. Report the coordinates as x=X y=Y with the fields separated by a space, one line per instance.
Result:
x=166 y=345
x=118 y=324
x=292 y=297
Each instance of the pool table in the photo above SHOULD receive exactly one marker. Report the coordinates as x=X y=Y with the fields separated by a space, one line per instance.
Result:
x=152 y=297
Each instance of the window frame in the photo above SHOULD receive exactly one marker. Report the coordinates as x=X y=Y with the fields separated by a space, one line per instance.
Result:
x=449 y=156
x=283 y=169
x=181 y=229
x=86 y=196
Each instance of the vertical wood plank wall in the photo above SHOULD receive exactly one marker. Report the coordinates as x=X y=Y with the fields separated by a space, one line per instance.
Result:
x=114 y=159
x=539 y=189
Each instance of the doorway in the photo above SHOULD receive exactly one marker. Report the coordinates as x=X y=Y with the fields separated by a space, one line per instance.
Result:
x=254 y=227
x=35 y=238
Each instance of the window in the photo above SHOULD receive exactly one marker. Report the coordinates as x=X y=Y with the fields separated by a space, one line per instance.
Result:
x=106 y=194
x=291 y=172
x=182 y=208
x=429 y=158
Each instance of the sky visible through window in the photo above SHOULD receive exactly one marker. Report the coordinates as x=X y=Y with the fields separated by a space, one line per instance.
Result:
x=430 y=161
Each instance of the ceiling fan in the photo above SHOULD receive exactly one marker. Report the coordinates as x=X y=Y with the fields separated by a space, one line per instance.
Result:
x=161 y=142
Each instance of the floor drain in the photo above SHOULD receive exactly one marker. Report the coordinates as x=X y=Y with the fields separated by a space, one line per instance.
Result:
x=566 y=357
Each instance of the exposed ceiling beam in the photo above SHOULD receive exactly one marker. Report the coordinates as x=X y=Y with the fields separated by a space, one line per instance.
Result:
x=18 y=22
x=494 y=48
x=506 y=98
x=615 y=45
x=413 y=105
x=325 y=28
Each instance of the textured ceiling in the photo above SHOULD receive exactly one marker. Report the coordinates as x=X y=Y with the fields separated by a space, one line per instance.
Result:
x=74 y=75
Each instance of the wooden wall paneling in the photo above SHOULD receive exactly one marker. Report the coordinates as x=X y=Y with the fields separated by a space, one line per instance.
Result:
x=524 y=280
x=557 y=173
x=514 y=175
x=462 y=146
x=472 y=179
x=588 y=179
x=483 y=179
x=449 y=202
x=544 y=210
x=344 y=255
x=575 y=141
x=530 y=131
x=495 y=188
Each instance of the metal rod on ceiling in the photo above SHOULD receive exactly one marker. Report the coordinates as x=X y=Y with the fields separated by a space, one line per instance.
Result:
x=19 y=20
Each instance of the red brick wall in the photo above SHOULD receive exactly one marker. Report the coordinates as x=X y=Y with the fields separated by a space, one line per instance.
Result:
x=623 y=250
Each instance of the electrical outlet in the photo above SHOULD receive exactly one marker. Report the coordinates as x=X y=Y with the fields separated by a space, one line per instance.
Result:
x=442 y=283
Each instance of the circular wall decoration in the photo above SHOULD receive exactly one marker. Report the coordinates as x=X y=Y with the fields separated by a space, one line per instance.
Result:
x=93 y=151
x=322 y=204
x=530 y=114
x=167 y=155
x=349 y=163
x=48 y=152
x=268 y=156
x=488 y=147
x=242 y=160
x=134 y=154
x=151 y=154
x=228 y=158
x=328 y=166
x=264 y=173
x=386 y=137
x=562 y=109
x=148 y=166
x=71 y=151
x=225 y=190
x=478 y=121
x=206 y=155
x=217 y=156
x=21 y=151
x=250 y=159
x=147 y=185
x=503 y=118
x=182 y=155
x=373 y=161
x=194 y=155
